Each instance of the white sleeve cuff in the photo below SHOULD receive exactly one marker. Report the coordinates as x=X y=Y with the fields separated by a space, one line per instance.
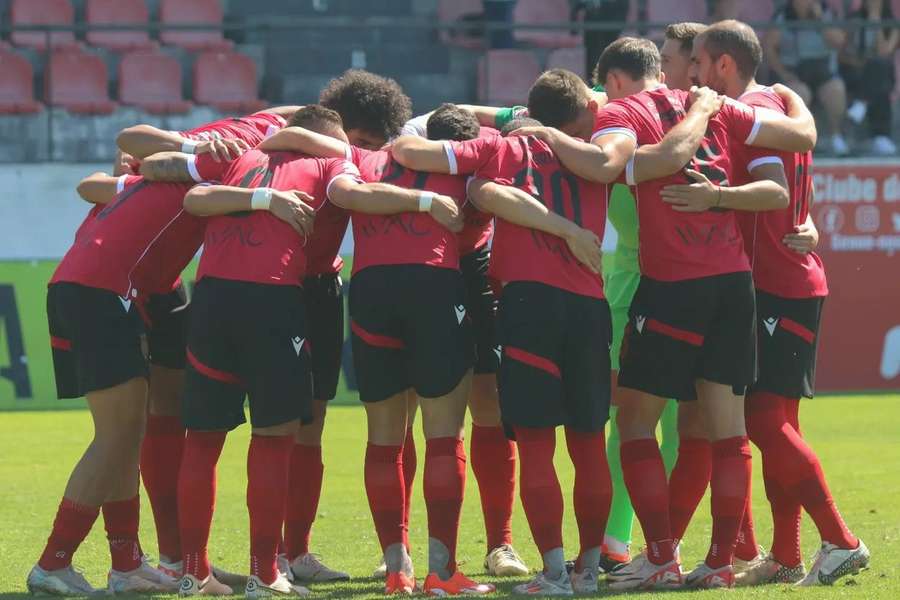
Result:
x=350 y=176
x=348 y=152
x=451 y=158
x=120 y=183
x=629 y=172
x=754 y=131
x=416 y=126
x=620 y=130
x=764 y=160
x=192 y=168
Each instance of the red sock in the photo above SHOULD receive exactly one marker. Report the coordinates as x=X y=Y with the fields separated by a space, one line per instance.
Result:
x=688 y=482
x=797 y=468
x=539 y=486
x=786 y=512
x=160 y=461
x=268 y=464
x=645 y=478
x=730 y=484
x=592 y=493
x=409 y=475
x=385 y=490
x=197 y=498
x=746 y=547
x=122 y=519
x=304 y=489
x=72 y=524
x=445 y=483
x=493 y=459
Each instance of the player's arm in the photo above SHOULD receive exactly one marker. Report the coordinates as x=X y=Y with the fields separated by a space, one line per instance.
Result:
x=804 y=239
x=298 y=139
x=285 y=112
x=768 y=191
x=99 y=188
x=140 y=141
x=491 y=116
x=795 y=132
x=420 y=154
x=168 y=166
x=291 y=206
x=520 y=208
x=386 y=199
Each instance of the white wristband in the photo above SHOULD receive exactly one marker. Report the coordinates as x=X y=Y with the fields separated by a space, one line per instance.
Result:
x=261 y=199
x=189 y=147
x=425 y=199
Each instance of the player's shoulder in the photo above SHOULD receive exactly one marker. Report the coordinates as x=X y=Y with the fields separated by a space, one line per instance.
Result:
x=764 y=97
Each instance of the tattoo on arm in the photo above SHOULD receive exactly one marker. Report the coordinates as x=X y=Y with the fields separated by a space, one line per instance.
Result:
x=167 y=166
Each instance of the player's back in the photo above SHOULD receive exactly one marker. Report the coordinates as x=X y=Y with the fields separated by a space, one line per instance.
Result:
x=252 y=129
x=776 y=268
x=404 y=238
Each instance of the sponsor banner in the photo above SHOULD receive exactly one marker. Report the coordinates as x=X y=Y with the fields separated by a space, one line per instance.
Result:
x=857 y=212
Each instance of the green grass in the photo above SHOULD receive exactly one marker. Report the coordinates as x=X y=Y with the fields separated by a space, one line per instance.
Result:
x=855 y=436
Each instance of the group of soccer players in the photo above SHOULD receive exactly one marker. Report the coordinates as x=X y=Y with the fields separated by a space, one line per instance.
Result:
x=476 y=284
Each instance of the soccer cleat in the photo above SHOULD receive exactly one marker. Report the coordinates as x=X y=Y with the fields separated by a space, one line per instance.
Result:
x=504 y=561
x=542 y=585
x=380 y=571
x=646 y=576
x=308 y=567
x=172 y=569
x=191 y=586
x=831 y=563
x=232 y=580
x=280 y=587
x=399 y=584
x=144 y=579
x=61 y=582
x=584 y=582
x=767 y=571
x=610 y=561
x=707 y=578
x=284 y=566
x=457 y=584
x=741 y=565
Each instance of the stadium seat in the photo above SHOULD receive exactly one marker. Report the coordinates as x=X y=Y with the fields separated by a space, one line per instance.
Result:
x=505 y=76
x=16 y=85
x=204 y=12
x=78 y=82
x=573 y=59
x=152 y=81
x=226 y=81
x=114 y=12
x=41 y=12
x=539 y=12
x=451 y=10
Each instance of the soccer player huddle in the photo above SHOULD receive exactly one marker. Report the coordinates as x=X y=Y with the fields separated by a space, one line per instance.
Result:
x=476 y=284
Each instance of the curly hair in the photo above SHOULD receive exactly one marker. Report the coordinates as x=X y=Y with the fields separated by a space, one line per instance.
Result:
x=369 y=102
x=450 y=122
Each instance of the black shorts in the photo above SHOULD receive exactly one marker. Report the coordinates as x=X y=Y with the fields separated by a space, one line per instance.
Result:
x=410 y=329
x=481 y=306
x=95 y=337
x=167 y=331
x=246 y=339
x=681 y=331
x=325 y=327
x=555 y=368
x=788 y=334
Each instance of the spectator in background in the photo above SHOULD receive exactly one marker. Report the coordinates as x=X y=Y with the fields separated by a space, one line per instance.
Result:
x=723 y=10
x=866 y=64
x=499 y=11
x=598 y=11
x=806 y=61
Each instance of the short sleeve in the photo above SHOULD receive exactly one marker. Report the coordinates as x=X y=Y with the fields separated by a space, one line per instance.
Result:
x=338 y=168
x=469 y=156
x=754 y=157
x=614 y=119
x=417 y=126
x=741 y=120
x=505 y=115
x=203 y=167
x=125 y=181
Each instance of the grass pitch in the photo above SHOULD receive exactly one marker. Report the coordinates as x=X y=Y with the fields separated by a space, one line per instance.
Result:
x=855 y=436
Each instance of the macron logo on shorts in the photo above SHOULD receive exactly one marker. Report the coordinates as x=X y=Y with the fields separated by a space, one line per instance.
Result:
x=498 y=350
x=639 y=321
x=460 y=313
x=771 y=323
x=126 y=303
x=297 y=341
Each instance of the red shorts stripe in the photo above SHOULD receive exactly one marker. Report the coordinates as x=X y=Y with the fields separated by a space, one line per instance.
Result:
x=373 y=339
x=210 y=372
x=689 y=337
x=60 y=343
x=798 y=330
x=532 y=360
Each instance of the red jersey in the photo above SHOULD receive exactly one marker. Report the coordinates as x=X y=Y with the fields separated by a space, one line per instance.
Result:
x=674 y=245
x=404 y=238
x=252 y=129
x=323 y=246
x=522 y=254
x=777 y=269
x=256 y=246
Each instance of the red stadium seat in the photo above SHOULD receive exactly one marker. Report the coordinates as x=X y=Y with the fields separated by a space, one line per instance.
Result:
x=505 y=76
x=152 y=81
x=204 y=12
x=227 y=81
x=539 y=12
x=41 y=12
x=451 y=10
x=573 y=59
x=114 y=12
x=78 y=82
x=16 y=85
